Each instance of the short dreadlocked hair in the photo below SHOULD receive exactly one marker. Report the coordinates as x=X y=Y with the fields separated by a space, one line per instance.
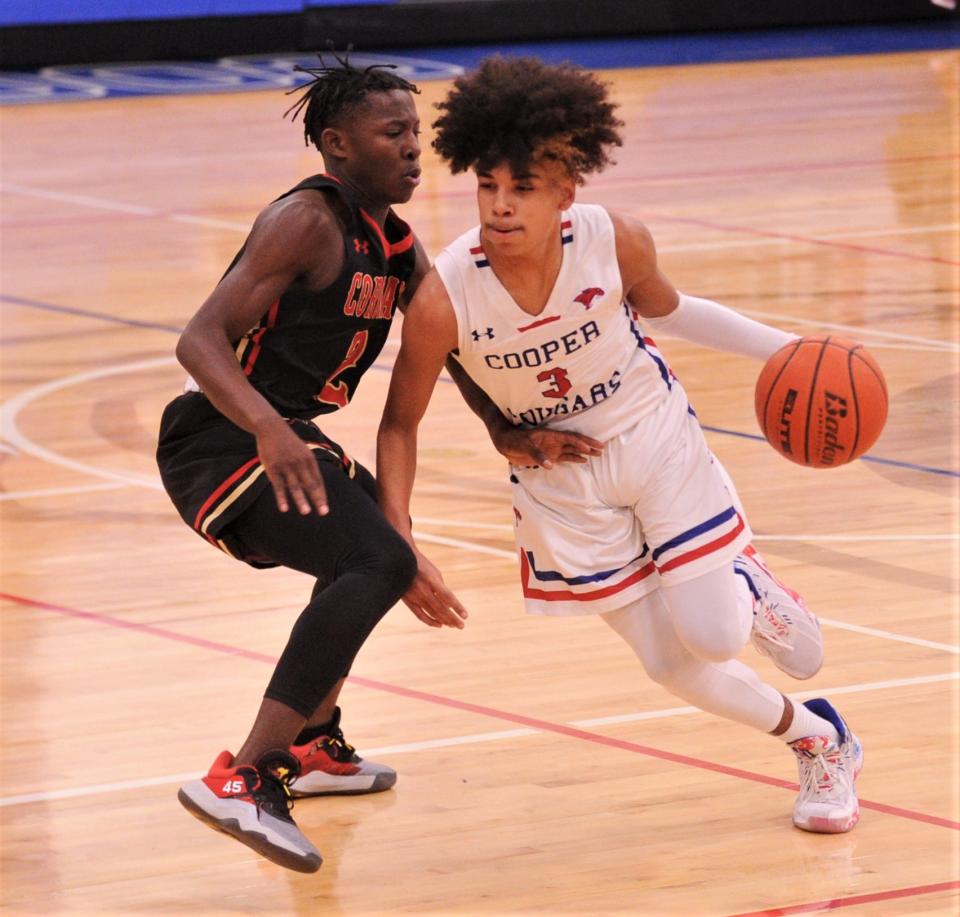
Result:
x=337 y=88
x=515 y=109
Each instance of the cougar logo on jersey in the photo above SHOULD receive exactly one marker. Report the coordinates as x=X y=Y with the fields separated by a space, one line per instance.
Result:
x=372 y=297
x=586 y=297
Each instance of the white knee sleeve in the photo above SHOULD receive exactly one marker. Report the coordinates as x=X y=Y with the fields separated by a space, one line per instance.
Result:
x=709 y=615
x=726 y=689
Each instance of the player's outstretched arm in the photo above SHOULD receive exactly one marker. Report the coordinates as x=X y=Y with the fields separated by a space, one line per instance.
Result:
x=524 y=446
x=429 y=334
x=670 y=312
x=289 y=239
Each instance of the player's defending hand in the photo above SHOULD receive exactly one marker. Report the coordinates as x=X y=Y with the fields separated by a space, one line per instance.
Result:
x=543 y=447
x=292 y=469
x=430 y=599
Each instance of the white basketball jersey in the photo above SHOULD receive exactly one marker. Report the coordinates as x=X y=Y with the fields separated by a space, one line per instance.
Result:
x=583 y=363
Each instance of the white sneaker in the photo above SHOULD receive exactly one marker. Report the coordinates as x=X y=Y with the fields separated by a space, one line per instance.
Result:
x=783 y=627
x=827 y=803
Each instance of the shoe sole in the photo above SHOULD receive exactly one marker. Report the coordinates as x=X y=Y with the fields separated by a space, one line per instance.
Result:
x=760 y=646
x=380 y=783
x=257 y=842
x=828 y=826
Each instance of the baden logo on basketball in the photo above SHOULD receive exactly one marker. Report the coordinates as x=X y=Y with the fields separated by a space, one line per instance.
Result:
x=834 y=410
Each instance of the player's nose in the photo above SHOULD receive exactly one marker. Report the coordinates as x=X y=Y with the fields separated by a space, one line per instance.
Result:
x=412 y=149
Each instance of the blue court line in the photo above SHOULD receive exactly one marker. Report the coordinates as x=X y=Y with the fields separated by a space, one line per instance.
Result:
x=137 y=323
x=88 y=313
x=864 y=458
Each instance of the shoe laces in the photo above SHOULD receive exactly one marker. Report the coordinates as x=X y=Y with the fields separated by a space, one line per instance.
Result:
x=272 y=792
x=822 y=776
x=765 y=627
x=335 y=745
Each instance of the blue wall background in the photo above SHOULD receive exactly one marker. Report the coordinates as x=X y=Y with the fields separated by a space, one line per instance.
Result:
x=43 y=12
x=44 y=33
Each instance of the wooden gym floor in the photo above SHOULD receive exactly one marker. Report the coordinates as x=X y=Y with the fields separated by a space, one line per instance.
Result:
x=540 y=771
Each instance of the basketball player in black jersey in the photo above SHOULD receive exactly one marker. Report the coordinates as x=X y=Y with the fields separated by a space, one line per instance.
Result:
x=299 y=316
x=301 y=313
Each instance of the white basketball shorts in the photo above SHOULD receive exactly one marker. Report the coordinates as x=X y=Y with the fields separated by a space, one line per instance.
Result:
x=653 y=508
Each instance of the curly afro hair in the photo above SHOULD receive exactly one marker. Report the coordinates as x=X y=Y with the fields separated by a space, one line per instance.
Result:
x=515 y=110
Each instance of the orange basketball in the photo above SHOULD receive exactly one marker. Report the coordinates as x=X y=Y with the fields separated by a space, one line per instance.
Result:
x=821 y=401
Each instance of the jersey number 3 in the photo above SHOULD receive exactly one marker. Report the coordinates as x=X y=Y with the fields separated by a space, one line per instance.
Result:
x=560 y=383
x=338 y=393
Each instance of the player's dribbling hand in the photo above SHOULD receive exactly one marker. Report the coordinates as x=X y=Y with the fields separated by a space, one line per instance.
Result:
x=430 y=599
x=292 y=469
x=525 y=447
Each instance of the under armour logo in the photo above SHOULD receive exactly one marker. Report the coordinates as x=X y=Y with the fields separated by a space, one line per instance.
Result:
x=363 y=247
x=588 y=296
x=479 y=334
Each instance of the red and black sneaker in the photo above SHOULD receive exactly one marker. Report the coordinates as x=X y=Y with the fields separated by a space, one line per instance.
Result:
x=330 y=766
x=252 y=804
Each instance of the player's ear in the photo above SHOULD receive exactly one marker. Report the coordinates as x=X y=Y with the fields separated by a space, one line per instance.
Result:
x=334 y=143
x=568 y=193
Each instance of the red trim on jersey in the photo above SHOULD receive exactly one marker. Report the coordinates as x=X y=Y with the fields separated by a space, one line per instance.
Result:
x=697 y=553
x=241 y=472
x=537 y=324
x=212 y=499
x=389 y=249
x=256 y=337
x=569 y=596
x=398 y=248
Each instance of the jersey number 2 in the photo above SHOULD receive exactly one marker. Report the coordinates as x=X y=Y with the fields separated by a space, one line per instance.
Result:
x=338 y=393
x=561 y=384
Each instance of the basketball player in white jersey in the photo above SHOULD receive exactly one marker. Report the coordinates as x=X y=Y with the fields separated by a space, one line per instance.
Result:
x=624 y=513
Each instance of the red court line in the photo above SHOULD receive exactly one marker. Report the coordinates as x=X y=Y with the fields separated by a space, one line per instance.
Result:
x=492 y=712
x=810 y=240
x=836 y=903
x=788 y=168
x=150 y=629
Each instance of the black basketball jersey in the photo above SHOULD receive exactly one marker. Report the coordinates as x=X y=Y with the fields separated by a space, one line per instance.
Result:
x=307 y=353
x=305 y=356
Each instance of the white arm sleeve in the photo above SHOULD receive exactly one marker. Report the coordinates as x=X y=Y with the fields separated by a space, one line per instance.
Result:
x=706 y=322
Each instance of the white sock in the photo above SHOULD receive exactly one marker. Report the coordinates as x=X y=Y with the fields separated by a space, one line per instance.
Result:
x=807 y=723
